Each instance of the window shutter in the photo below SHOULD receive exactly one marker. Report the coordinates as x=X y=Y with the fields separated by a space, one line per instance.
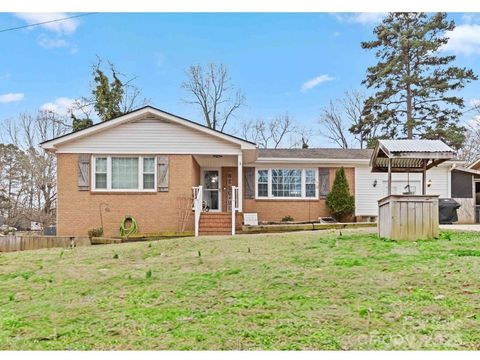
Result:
x=83 y=172
x=323 y=181
x=162 y=173
x=249 y=184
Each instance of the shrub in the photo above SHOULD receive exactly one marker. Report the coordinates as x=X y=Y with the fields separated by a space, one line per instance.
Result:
x=287 y=218
x=339 y=201
x=95 y=232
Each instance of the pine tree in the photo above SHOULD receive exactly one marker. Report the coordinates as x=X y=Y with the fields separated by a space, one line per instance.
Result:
x=413 y=84
x=339 y=201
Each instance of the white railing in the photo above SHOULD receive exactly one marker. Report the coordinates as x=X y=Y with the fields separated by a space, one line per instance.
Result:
x=197 y=206
x=234 y=206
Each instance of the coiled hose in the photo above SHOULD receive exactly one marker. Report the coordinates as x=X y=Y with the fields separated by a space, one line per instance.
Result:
x=130 y=230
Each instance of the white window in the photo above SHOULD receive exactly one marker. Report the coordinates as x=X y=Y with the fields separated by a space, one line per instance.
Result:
x=286 y=183
x=310 y=183
x=262 y=181
x=101 y=173
x=148 y=173
x=124 y=173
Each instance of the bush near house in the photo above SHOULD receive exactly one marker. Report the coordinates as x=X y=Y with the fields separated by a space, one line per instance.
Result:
x=339 y=201
x=95 y=232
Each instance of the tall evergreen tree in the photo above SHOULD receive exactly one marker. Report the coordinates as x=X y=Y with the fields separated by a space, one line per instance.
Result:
x=414 y=85
x=340 y=202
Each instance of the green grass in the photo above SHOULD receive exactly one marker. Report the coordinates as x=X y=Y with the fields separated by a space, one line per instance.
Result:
x=310 y=290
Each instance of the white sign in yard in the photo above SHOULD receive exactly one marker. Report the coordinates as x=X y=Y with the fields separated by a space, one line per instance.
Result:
x=250 y=218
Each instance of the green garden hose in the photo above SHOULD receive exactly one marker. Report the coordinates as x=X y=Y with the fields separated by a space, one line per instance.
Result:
x=131 y=230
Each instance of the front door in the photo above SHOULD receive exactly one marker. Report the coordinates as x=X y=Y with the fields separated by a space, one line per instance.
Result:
x=211 y=183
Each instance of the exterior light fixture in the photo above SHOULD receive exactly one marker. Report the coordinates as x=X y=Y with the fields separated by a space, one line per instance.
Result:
x=429 y=183
x=375 y=182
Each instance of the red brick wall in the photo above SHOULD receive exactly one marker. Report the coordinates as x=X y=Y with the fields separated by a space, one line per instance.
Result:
x=79 y=211
x=300 y=210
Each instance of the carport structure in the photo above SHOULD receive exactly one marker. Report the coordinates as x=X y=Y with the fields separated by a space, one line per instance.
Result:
x=407 y=216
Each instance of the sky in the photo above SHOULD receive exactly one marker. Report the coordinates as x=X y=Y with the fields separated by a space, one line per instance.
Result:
x=282 y=62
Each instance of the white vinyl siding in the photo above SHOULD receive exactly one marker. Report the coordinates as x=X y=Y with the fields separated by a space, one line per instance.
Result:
x=123 y=173
x=150 y=136
x=286 y=183
x=367 y=195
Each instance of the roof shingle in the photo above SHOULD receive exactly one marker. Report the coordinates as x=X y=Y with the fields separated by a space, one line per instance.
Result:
x=318 y=153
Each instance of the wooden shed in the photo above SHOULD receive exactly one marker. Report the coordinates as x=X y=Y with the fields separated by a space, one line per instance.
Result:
x=408 y=216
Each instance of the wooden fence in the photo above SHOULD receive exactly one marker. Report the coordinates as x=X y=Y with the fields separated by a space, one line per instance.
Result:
x=20 y=243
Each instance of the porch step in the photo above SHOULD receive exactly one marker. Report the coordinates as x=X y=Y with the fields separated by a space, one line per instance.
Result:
x=215 y=223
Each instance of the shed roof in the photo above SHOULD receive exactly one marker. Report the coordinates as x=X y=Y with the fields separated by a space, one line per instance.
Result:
x=409 y=155
x=415 y=146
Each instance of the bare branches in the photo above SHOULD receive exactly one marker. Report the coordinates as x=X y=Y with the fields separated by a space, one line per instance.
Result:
x=210 y=88
x=336 y=128
x=269 y=134
x=32 y=195
x=470 y=150
x=341 y=115
x=111 y=96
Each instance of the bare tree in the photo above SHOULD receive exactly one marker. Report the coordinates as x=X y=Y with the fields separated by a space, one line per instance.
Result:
x=269 y=134
x=39 y=167
x=302 y=137
x=470 y=150
x=353 y=103
x=335 y=125
x=211 y=89
x=339 y=116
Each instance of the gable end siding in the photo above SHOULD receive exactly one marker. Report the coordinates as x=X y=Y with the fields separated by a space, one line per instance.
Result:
x=150 y=136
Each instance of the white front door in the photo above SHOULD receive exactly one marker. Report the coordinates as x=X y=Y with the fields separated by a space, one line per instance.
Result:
x=212 y=194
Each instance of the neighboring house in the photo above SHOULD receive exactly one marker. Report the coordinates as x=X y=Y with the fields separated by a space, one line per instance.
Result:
x=147 y=164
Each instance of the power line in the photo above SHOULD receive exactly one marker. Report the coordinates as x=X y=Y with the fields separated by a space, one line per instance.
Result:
x=47 y=22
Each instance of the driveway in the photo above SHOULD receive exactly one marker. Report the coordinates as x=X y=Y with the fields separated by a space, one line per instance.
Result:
x=461 y=227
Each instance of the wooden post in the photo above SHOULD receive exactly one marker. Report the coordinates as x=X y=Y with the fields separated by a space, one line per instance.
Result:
x=389 y=176
x=424 y=178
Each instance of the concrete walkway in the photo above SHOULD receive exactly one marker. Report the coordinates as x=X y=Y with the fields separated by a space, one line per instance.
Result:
x=461 y=227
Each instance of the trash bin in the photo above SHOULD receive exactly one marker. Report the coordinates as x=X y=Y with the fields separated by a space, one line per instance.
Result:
x=447 y=211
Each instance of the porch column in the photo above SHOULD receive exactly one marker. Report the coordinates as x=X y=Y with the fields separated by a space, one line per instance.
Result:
x=389 y=176
x=240 y=182
x=424 y=178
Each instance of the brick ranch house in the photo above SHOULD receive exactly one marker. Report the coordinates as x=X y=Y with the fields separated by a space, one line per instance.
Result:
x=148 y=163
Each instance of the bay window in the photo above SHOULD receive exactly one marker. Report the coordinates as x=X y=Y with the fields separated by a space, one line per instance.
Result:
x=286 y=183
x=124 y=173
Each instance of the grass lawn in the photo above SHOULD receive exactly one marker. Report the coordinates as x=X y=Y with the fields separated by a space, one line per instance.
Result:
x=309 y=290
